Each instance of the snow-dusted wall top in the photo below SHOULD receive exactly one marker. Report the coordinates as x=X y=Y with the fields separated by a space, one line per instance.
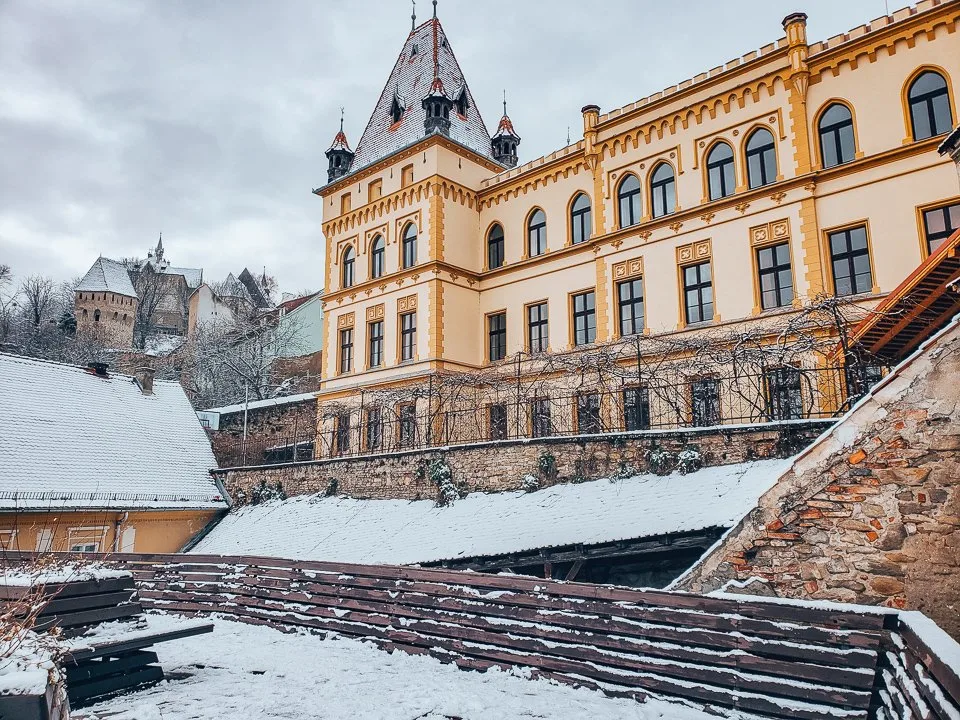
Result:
x=401 y=532
x=71 y=439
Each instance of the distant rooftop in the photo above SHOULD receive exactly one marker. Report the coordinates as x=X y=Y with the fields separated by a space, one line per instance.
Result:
x=107 y=275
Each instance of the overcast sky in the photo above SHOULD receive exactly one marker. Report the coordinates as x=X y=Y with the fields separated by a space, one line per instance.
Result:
x=207 y=119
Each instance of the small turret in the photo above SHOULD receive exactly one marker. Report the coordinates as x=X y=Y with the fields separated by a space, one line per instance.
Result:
x=438 y=106
x=339 y=155
x=505 y=140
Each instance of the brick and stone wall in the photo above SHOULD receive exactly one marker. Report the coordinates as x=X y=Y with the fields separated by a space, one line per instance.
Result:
x=266 y=427
x=871 y=513
x=501 y=466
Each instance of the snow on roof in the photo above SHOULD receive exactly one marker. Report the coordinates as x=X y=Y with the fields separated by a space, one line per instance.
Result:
x=410 y=82
x=72 y=439
x=192 y=276
x=401 y=532
x=256 y=404
x=107 y=275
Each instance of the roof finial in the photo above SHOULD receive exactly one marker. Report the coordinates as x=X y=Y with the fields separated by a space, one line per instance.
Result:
x=504 y=101
x=568 y=134
x=413 y=17
x=434 y=9
x=341 y=118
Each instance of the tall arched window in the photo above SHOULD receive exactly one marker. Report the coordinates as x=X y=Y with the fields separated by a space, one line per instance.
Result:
x=835 y=128
x=537 y=233
x=929 y=106
x=495 y=247
x=628 y=199
x=761 y=158
x=96 y=316
x=580 y=219
x=409 y=245
x=347 y=268
x=378 y=257
x=721 y=178
x=663 y=190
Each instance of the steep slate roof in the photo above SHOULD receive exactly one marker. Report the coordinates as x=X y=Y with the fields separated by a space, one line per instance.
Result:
x=107 y=276
x=403 y=532
x=192 y=276
x=71 y=439
x=410 y=82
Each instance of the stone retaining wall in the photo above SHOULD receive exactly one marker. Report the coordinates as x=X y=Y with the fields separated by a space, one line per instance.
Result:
x=502 y=466
x=871 y=514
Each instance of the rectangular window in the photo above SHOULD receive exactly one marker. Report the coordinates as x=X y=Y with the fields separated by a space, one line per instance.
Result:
x=784 y=396
x=374 y=429
x=346 y=350
x=345 y=202
x=630 y=294
x=850 y=259
x=541 y=426
x=698 y=292
x=939 y=224
x=498 y=422
x=538 y=331
x=588 y=414
x=374 y=190
x=342 y=434
x=8 y=540
x=408 y=336
x=705 y=396
x=497 y=334
x=406 y=176
x=775 y=276
x=408 y=426
x=44 y=540
x=375 y=344
x=636 y=409
x=584 y=318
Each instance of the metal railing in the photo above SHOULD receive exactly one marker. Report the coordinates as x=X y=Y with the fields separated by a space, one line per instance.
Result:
x=778 y=395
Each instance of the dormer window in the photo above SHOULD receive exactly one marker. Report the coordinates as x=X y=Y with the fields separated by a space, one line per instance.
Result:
x=462 y=103
x=396 y=110
x=414 y=51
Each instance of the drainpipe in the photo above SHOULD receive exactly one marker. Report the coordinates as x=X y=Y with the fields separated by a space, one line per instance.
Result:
x=121 y=519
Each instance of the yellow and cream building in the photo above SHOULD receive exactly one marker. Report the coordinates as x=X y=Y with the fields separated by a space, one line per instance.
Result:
x=799 y=170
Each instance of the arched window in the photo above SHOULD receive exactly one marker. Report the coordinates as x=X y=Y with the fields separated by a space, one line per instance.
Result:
x=537 y=233
x=96 y=316
x=929 y=106
x=409 y=246
x=663 y=190
x=761 y=158
x=347 y=268
x=580 y=219
x=721 y=178
x=628 y=199
x=835 y=128
x=495 y=247
x=378 y=257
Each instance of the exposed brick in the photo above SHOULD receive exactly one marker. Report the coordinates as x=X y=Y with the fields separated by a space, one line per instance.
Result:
x=858 y=457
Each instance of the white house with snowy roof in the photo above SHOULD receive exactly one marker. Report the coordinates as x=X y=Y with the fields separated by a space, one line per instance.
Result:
x=94 y=461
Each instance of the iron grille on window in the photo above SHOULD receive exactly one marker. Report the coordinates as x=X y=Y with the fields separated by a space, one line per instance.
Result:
x=408 y=426
x=636 y=409
x=374 y=429
x=537 y=328
x=705 y=396
x=776 y=279
x=342 y=438
x=784 y=393
x=541 y=426
x=498 y=422
x=588 y=414
x=584 y=318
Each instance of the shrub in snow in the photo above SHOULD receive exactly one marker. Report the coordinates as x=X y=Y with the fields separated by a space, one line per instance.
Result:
x=661 y=461
x=264 y=492
x=624 y=470
x=441 y=475
x=332 y=488
x=529 y=483
x=547 y=465
x=689 y=460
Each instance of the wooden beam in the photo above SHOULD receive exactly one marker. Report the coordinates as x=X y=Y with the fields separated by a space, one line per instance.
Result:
x=574 y=569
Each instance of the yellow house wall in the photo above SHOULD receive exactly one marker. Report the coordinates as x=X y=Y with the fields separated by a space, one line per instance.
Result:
x=161 y=531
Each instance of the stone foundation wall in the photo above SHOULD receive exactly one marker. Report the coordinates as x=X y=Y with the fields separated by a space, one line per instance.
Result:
x=871 y=514
x=501 y=466
x=266 y=427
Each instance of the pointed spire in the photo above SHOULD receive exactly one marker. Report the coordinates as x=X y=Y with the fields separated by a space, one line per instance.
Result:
x=158 y=252
x=339 y=154
x=505 y=139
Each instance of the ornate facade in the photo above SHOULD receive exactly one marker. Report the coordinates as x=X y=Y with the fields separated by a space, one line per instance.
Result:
x=789 y=174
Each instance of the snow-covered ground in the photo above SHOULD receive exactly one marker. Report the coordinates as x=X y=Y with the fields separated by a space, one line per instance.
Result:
x=402 y=532
x=246 y=671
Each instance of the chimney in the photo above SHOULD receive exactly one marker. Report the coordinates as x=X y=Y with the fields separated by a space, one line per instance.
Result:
x=98 y=368
x=144 y=378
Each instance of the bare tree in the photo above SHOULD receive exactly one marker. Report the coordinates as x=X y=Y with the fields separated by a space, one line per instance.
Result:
x=153 y=289
x=8 y=304
x=37 y=299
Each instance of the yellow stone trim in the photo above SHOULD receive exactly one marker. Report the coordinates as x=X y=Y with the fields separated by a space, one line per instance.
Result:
x=905 y=98
x=627 y=269
x=436 y=318
x=810 y=244
x=375 y=313
x=544 y=175
x=601 y=300
x=435 y=237
x=772 y=233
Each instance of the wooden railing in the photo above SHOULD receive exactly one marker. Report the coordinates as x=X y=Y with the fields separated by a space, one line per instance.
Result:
x=775 y=658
